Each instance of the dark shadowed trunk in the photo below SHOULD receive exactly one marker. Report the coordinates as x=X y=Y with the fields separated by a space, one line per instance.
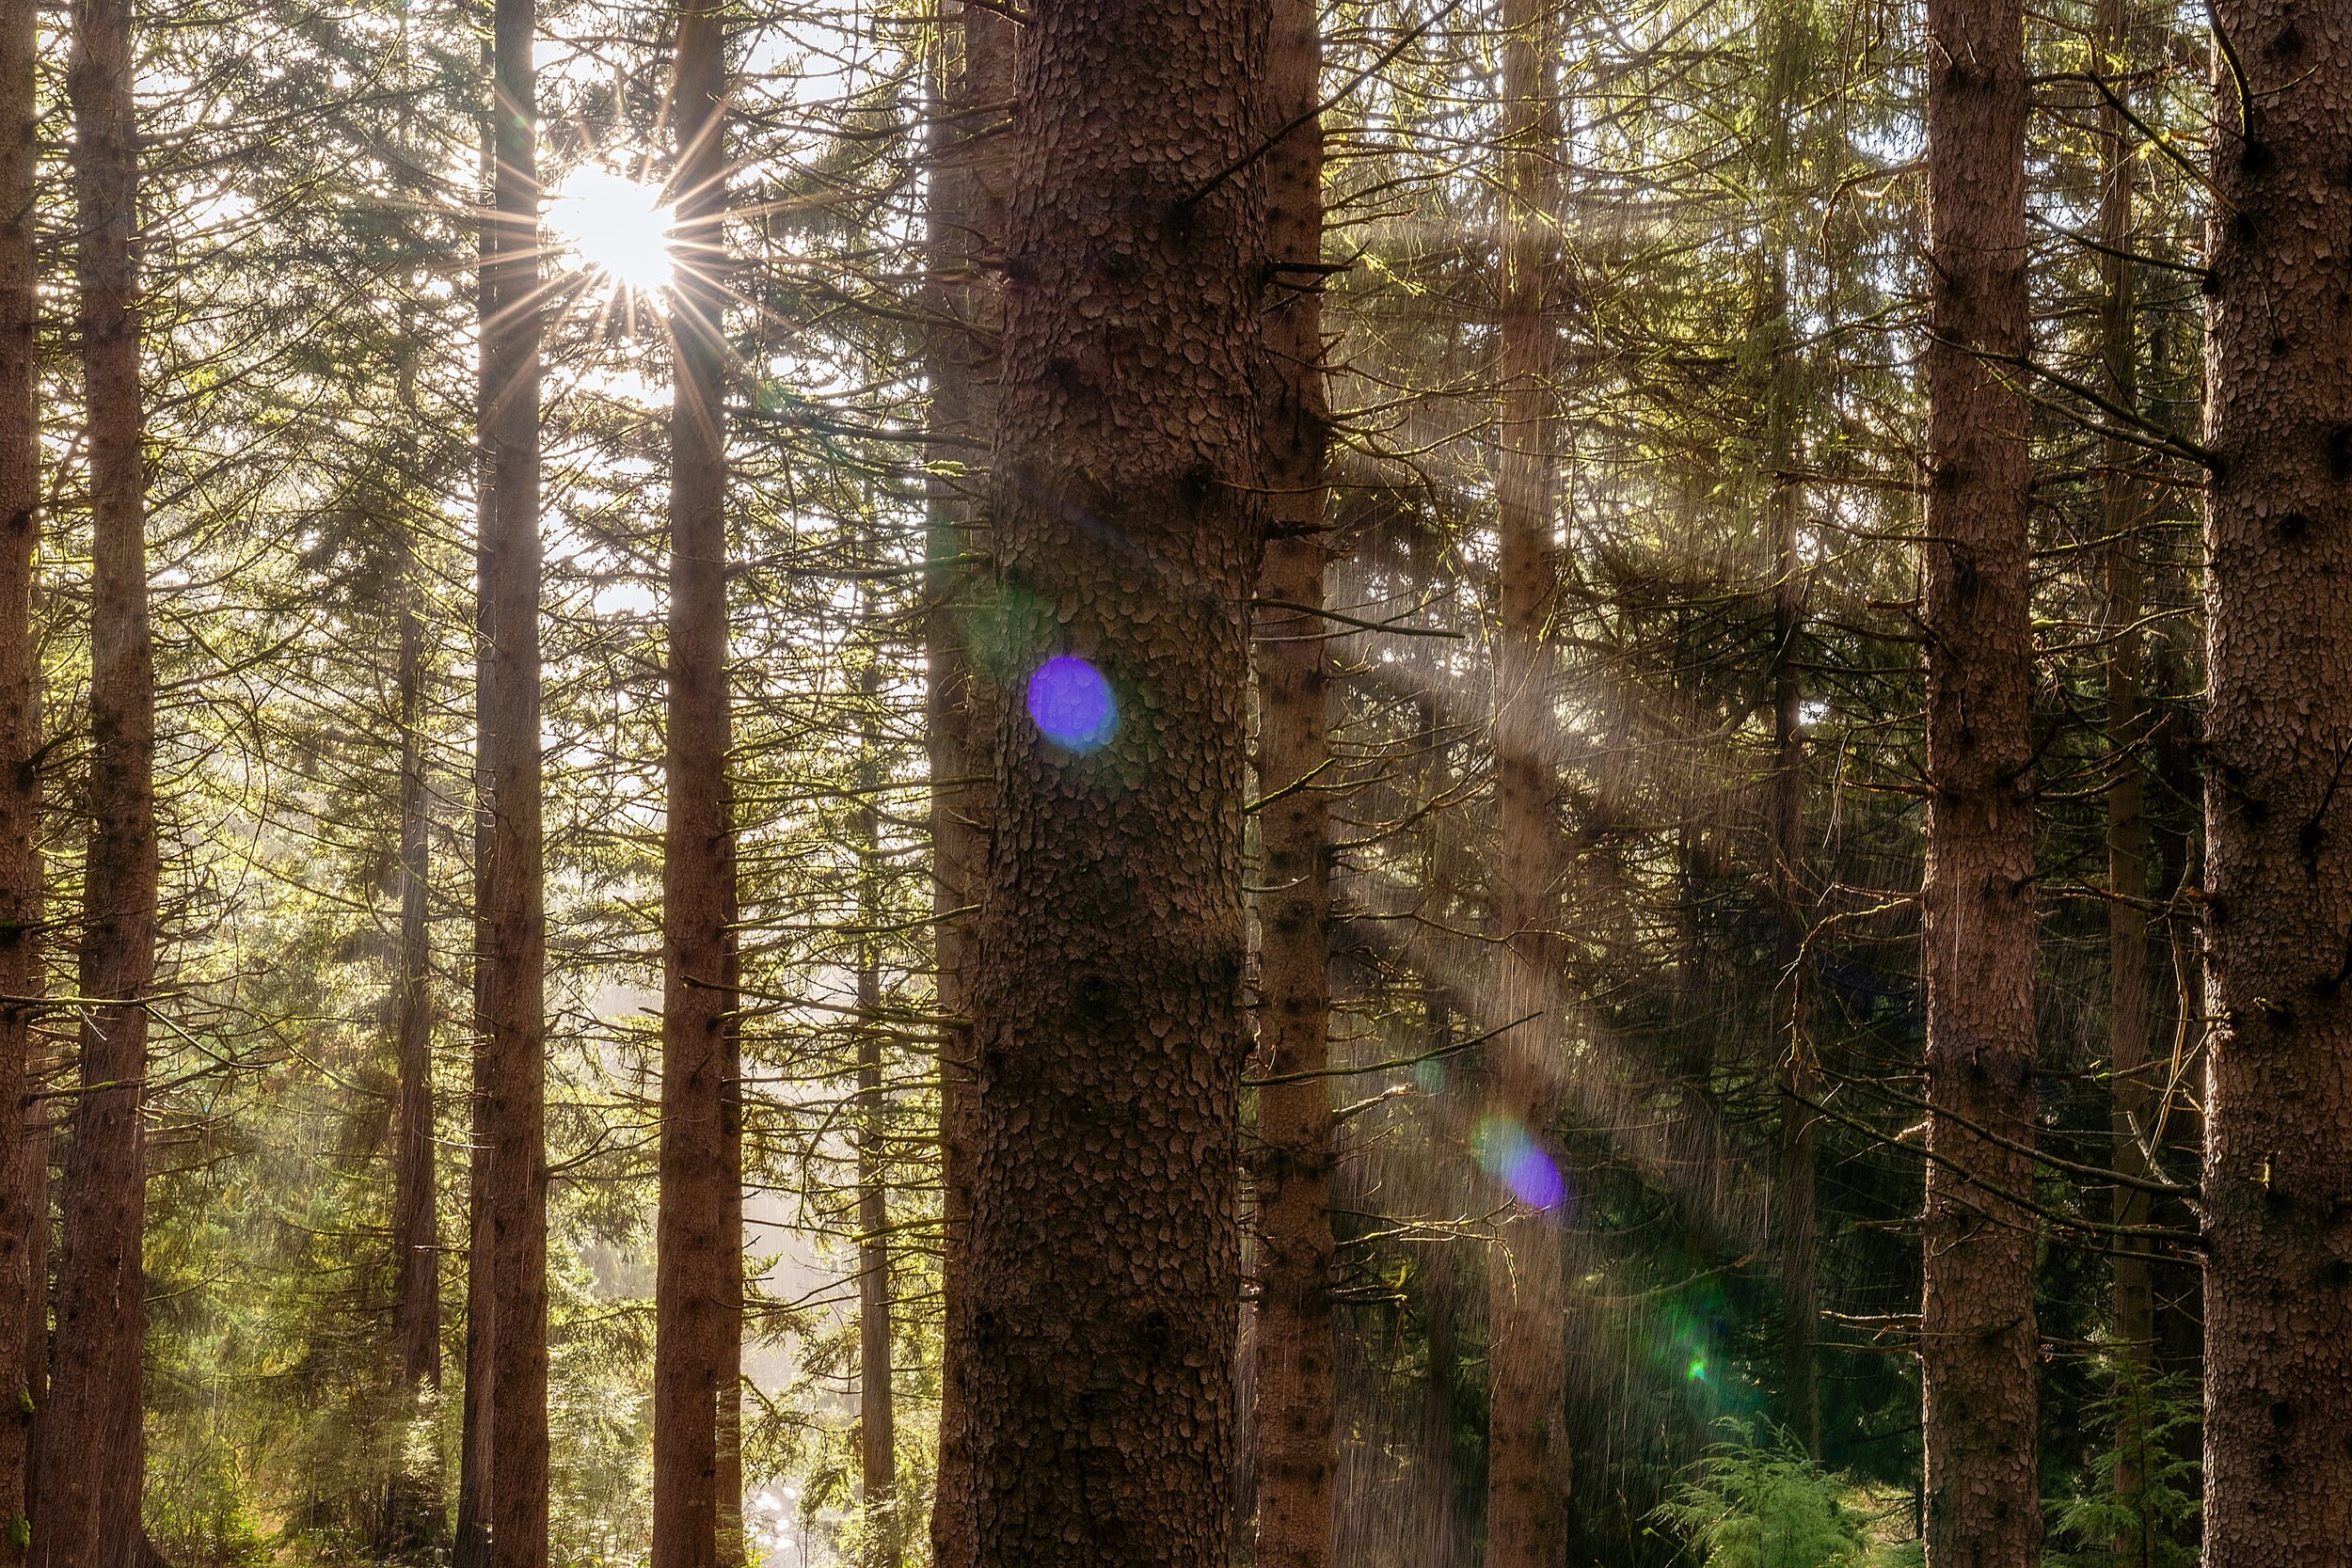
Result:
x=1443 y=1537
x=92 y=1464
x=1295 y=1432
x=20 y=745
x=2279 y=829
x=2134 y=1328
x=1978 y=1344
x=512 y=1220
x=969 y=178
x=1107 y=1017
x=698 y=1261
x=413 y=1520
x=1526 y=1463
x=1784 y=804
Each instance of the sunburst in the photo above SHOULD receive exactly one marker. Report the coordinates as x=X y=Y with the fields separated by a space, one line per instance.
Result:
x=617 y=227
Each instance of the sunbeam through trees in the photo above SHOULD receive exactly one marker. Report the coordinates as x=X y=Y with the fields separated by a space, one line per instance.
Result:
x=1069 y=783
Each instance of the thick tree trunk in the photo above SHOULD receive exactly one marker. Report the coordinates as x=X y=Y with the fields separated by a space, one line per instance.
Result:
x=1979 y=1348
x=512 y=1223
x=21 y=902
x=413 y=1519
x=972 y=83
x=1292 y=1409
x=698 y=1258
x=2132 y=1096
x=93 y=1466
x=1527 y=1462
x=2279 y=826
x=1107 y=1019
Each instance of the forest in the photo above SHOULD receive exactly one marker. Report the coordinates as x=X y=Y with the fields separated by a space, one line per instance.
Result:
x=1262 y=783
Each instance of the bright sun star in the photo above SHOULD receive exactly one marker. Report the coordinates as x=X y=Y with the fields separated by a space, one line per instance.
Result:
x=615 y=225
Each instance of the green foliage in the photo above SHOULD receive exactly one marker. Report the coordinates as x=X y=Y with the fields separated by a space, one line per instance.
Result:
x=2147 y=1522
x=1758 y=1500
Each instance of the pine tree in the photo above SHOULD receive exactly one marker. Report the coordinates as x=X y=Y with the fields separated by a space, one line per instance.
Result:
x=1107 y=1021
x=698 y=1256
x=1978 y=1349
x=2279 y=1138
x=1293 y=1410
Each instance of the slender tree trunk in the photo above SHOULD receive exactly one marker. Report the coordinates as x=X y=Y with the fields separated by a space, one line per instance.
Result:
x=1527 y=1462
x=20 y=905
x=471 y=1545
x=33 y=1164
x=1442 y=1543
x=878 y=1440
x=1785 y=793
x=734 y=1546
x=513 y=1220
x=878 y=1443
x=2277 y=823
x=1295 y=1429
x=1979 y=1347
x=697 y=1277
x=973 y=82
x=413 y=1513
x=94 y=1464
x=2135 y=1309
x=1107 y=1019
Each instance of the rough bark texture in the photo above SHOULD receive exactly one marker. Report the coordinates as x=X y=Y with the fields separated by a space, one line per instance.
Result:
x=1107 y=1016
x=1977 y=1343
x=698 y=1261
x=20 y=775
x=2278 y=1185
x=512 y=1221
x=1291 y=1406
x=413 y=1520
x=1526 y=1463
x=972 y=86
x=92 y=1469
x=2132 y=1091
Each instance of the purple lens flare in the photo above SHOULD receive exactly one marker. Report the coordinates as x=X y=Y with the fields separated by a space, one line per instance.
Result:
x=1512 y=1157
x=1072 y=703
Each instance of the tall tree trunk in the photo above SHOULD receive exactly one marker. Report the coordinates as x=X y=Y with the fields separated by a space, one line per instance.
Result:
x=513 y=1220
x=93 y=1463
x=2131 y=1097
x=2277 y=823
x=469 y=1547
x=413 y=1520
x=1785 y=792
x=972 y=84
x=1979 y=1347
x=699 y=1261
x=878 y=1440
x=1107 y=1019
x=21 y=904
x=1527 y=1462
x=1292 y=1407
